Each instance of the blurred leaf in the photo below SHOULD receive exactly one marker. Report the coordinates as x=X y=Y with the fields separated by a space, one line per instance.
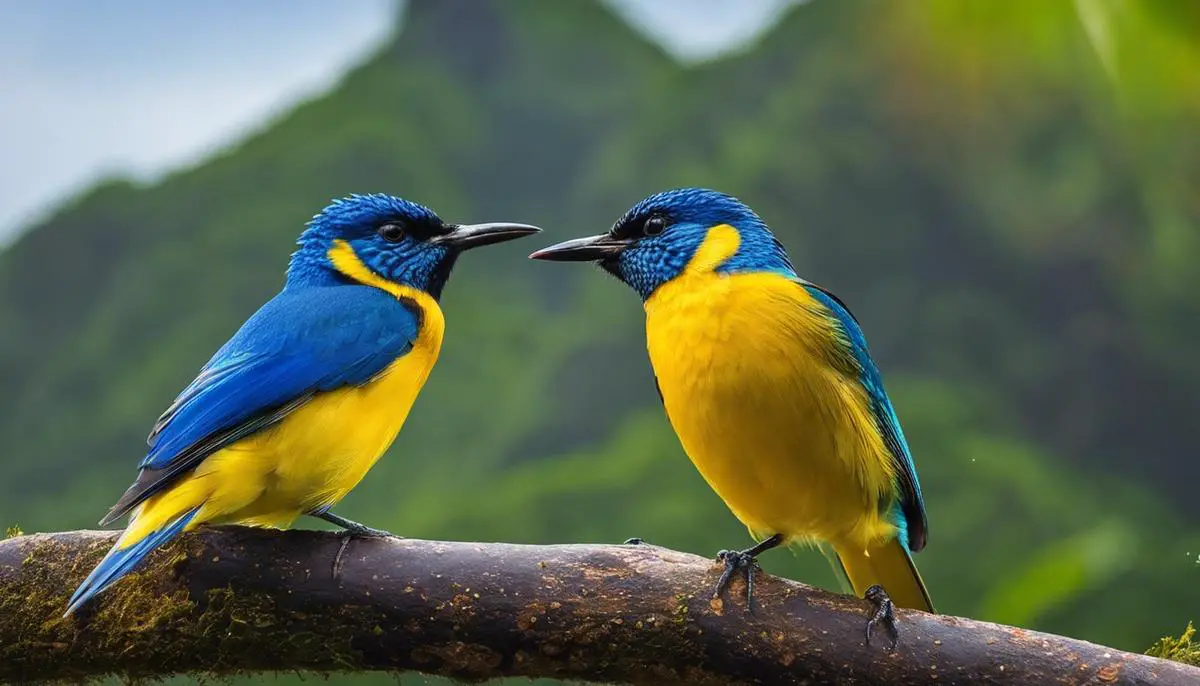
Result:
x=1098 y=18
x=1061 y=572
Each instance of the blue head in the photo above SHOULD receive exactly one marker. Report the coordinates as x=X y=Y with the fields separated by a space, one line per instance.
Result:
x=688 y=229
x=363 y=237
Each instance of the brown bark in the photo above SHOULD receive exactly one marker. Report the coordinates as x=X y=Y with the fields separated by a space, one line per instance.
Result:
x=232 y=600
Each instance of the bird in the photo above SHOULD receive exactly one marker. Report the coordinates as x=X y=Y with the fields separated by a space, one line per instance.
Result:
x=290 y=414
x=768 y=383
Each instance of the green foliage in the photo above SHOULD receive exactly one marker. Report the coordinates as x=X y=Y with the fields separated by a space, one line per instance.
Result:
x=1000 y=195
x=1179 y=649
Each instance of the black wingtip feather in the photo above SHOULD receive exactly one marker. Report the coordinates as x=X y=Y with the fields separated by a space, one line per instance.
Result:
x=918 y=525
x=131 y=497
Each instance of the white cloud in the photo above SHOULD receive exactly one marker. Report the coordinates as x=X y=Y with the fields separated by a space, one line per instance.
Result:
x=701 y=29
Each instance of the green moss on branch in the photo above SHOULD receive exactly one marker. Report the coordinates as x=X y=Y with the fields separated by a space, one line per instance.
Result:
x=1180 y=649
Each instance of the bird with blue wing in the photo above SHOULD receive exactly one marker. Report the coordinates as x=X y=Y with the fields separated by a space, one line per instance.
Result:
x=767 y=381
x=290 y=414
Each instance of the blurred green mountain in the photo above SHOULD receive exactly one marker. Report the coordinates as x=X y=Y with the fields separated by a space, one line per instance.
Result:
x=1002 y=196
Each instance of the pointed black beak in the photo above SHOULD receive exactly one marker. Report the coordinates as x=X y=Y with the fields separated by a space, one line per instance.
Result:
x=467 y=236
x=589 y=249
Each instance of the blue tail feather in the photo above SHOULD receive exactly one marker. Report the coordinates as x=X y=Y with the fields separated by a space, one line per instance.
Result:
x=119 y=562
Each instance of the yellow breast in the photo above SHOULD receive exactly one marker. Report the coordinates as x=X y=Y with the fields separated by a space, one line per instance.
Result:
x=327 y=446
x=746 y=370
x=323 y=449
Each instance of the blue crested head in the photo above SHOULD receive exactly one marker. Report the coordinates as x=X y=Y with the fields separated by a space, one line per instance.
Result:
x=388 y=235
x=657 y=239
x=391 y=238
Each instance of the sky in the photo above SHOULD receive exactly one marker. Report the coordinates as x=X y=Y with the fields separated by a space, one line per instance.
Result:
x=138 y=88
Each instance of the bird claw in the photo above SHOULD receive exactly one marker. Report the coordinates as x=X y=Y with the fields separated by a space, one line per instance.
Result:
x=737 y=561
x=885 y=614
x=633 y=541
x=337 y=559
x=354 y=529
x=350 y=531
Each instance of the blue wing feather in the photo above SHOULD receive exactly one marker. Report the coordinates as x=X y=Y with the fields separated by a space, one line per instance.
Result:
x=300 y=343
x=120 y=561
x=913 y=525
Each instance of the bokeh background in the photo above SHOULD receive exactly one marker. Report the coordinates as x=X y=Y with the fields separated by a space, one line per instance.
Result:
x=1004 y=192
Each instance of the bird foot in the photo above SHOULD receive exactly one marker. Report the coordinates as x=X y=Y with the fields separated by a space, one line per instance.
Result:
x=356 y=530
x=349 y=525
x=885 y=614
x=737 y=561
x=633 y=541
x=350 y=533
x=350 y=530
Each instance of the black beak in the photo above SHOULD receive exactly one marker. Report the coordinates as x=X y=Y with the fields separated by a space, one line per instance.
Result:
x=467 y=236
x=589 y=249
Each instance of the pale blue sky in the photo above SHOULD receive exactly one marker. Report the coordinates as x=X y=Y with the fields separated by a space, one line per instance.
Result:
x=140 y=87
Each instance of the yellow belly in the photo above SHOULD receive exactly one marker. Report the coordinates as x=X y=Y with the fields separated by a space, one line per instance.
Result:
x=311 y=459
x=744 y=363
x=318 y=454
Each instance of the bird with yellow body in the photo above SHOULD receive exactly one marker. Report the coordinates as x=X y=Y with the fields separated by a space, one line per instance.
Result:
x=290 y=414
x=767 y=381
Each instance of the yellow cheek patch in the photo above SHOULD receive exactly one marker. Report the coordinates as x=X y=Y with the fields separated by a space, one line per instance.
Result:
x=720 y=243
x=346 y=261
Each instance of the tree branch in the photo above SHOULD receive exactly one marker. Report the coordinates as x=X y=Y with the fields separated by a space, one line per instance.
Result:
x=232 y=600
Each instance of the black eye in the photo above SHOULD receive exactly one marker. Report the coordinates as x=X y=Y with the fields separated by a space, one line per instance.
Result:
x=654 y=225
x=392 y=233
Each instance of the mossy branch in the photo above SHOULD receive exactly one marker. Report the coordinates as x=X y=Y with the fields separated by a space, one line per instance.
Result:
x=233 y=600
x=1180 y=649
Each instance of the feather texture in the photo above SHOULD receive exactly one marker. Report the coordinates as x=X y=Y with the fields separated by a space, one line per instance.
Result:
x=914 y=527
x=123 y=558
